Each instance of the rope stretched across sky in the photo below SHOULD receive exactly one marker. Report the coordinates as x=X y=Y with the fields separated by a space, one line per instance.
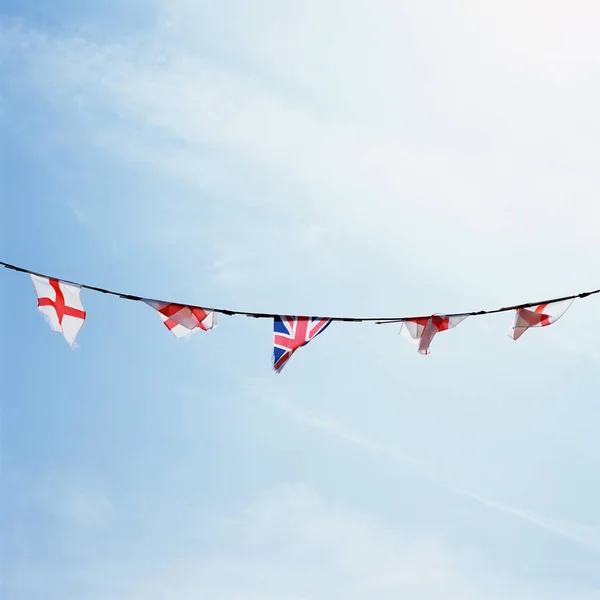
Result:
x=261 y=315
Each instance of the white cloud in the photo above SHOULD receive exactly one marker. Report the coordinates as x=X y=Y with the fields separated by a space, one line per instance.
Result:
x=587 y=535
x=333 y=428
x=474 y=167
x=291 y=544
x=491 y=156
x=77 y=501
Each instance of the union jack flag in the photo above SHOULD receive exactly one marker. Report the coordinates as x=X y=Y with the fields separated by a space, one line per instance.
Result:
x=292 y=332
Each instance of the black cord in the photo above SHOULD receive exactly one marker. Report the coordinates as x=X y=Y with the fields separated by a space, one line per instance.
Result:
x=255 y=315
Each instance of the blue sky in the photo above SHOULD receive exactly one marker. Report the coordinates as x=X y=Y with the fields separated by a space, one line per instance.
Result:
x=338 y=158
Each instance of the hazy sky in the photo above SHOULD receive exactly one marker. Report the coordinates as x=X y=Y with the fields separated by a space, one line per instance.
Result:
x=348 y=158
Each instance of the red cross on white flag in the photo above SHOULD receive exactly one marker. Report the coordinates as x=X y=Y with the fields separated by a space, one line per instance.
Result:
x=183 y=320
x=61 y=305
x=537 y=316
x=423 y=329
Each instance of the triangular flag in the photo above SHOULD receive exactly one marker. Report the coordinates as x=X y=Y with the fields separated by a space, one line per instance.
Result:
x=537 y=316
x=60 y=304
x=290 y=333
x=182 y=320
x=423 y=329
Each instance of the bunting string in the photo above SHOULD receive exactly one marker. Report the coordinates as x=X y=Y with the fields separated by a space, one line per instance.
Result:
x=261 y=315
x=60 y=302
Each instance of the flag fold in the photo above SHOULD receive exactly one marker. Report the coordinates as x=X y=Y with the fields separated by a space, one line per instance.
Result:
x=541 y=315
x=422 y=330
x=182 y=320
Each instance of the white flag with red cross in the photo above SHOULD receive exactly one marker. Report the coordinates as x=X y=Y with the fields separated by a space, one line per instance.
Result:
x=537 y=316
x=423 y=329
x=182 y=320
x=60 y=304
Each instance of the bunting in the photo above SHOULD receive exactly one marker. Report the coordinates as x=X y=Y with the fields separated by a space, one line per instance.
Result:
x=183 y=320
x=541 y=315
x=60 y=302
x=290 y=333
x=423 y=329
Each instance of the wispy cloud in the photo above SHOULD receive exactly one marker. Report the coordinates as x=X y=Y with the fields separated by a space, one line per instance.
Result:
x=291 y=543
x=77 y=501
x=582 y=534
x=588 y=536
x=335 y=429
x=362 y=173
